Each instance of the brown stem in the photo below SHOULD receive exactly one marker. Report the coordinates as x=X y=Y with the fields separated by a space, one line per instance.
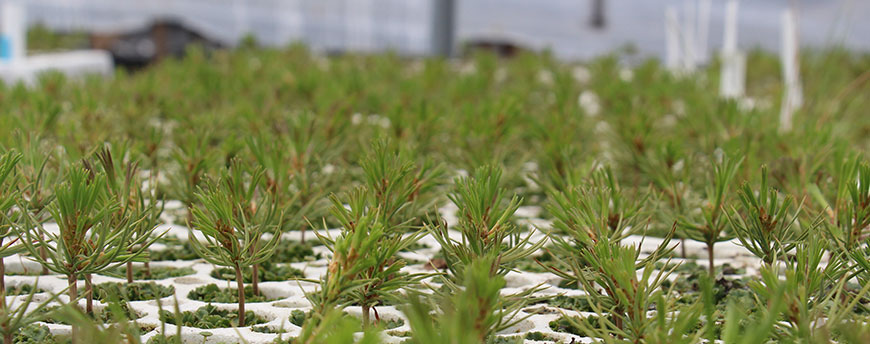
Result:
x=7 y=337
x=710 y=260
x=2 y=278
x=365 y=315
x=683 y=248
x=302 y=240
x=43 y=254
x=241 y=285
x=617 y=318
x=255 y=277
x=129 y=272
x=73 y=295
x=147 y=270
x=89 y=295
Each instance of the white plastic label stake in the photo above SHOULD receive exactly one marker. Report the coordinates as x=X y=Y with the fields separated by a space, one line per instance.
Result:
x=793 y=97
x=704 y=8
x=733 y=75
x=12 y=40
x=672 y=39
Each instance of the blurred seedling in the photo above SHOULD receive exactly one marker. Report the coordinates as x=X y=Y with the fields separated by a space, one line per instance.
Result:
x=9 y=216
x=485 y=224
x=471 y=315
x=848 y=220
x=364 y=268
x=808 y=288
x=17 y=315
x=709 y=224
x=591 y=221
x=296 y=170
x=765 y=226
x=401 y=189
x=40 y=170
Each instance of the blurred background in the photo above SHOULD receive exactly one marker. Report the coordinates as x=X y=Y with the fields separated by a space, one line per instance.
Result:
x=138 y=32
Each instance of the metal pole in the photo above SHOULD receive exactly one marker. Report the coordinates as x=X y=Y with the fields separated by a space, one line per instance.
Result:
x=443 y=21
x=598 y=20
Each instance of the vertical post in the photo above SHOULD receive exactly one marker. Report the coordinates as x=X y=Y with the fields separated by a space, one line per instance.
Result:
x=359 y=25
x=443 y=20
x=292 y=23
x=12 y=32
x=598 y=19
x=793 y=97
x=704 y=7
x=690 y=9
x=240 y=14
x=733 y=74
x=672 y=39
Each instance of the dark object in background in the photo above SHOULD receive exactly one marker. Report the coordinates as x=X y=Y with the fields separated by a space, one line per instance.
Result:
x=163 y=38
x=501 y=48
x=598 y=19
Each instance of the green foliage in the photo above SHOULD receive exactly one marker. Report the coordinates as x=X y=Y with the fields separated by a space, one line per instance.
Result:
x=295 y=168
x=89 y=241
x=138 y=291
x=764 y=228
x=232 y=218
x=401 y=190
x=34 y=334
x=709 y=225
x=8 y=197
x=267 y=272
x=209 y=317
x=232 y=226
x=334 y=327
x=596 y=208
x=849 y=215
x=806 y=291
x=304 y=124
x=471 y=315
x=485 y=225
x=155 y=273
x=364 y=267
x=213 y=293
x=19 y=315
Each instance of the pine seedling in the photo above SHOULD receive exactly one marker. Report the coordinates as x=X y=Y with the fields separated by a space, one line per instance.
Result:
x=25 y=313
x=400 y=188
x=809 y=287
x=595 y=218
x=587 y=214
x=296 y=170
x=233 y=234
x=667 y=169
x=470 y=316
x=137 y=208
x=365 y=242
x=765 y=225
x=600 y=208
x=40 y=172
x=8 y=217
x=336 y=327
x=246 y=197
x=849 y=215
x=710 y=223
x=485 y=225
x=88 y=241
x=757 y=331
x=188 y=173
x=670 y=324
x=627 y=295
